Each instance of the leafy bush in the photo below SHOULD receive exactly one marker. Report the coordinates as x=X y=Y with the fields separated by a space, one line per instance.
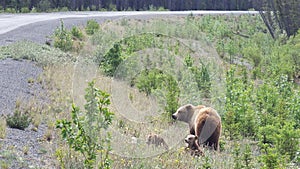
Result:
x=25 y=10
x=111 y=60
x=62 y=38
x=91 y=27
x=151 y=80
x=10 y=10
x=18 y=120
x=75 y=32
x=239 y=118
x=83 y=132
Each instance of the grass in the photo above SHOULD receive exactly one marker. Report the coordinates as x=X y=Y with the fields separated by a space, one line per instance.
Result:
x=214 y=40
x=2 y=128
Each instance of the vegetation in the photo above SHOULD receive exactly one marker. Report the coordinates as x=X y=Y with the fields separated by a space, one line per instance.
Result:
x=284 y=20
x=89 y=5
x=228 y=62
x=63 y=39
x=2 y=128
x=91 y=27
x=84 y=133
x=18 y=120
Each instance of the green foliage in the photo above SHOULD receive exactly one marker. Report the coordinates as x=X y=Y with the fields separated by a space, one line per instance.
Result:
x=91 y=27
x=247 y=158
x=253 y=53
x=10 y=10
x=76 y=32
x=86 y=132
x=150 y=80
x=206 y=164
x=18 y=120
x=62 y=38
x=172 y=96
x=111 y=60
x=25 y=10
x=239 y=118
x=188 y=61
x=271 y=159
x=201 y=75
x=237 y=156
x=41 y=54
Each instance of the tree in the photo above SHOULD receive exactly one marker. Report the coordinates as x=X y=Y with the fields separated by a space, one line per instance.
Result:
x=282 y=15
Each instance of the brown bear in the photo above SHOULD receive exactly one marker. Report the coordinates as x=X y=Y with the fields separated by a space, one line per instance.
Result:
x=193 y=145
x=204 y=122
x=157 y=141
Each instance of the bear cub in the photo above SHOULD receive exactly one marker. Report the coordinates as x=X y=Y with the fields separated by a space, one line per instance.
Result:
x=193 y=145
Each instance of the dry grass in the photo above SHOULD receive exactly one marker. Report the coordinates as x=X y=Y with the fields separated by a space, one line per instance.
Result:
x=136 y=115
x=2 y=127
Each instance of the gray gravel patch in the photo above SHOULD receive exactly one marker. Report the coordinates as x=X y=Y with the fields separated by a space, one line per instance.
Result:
x=15 y=83
x=20 y=148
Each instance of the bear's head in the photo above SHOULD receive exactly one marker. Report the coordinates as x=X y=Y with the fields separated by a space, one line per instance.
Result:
x=150 y=139
x=190 y=139
x=184 y=113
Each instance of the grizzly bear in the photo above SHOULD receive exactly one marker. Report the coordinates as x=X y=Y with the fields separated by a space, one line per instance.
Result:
x=204 y=122
x=193 y=145
x=157 y=141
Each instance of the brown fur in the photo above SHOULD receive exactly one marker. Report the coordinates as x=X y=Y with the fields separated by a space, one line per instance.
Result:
x=156 y=140
x=193 y=145
x=204 y=122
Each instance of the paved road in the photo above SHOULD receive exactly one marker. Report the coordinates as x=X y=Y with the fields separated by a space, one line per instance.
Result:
x=16 y=27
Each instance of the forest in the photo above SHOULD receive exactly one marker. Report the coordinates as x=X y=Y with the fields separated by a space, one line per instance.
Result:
x=45 y=5
x=80 y=5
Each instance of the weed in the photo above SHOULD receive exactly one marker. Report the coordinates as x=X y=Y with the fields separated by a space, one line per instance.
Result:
x=4 y=165
x=48 y=136
x=62 y=38
x=18 y=120
x=76 y=32
x=30 y=80
x=91 y=27
x=82 y=132
x=2 y=127
x=25 y=150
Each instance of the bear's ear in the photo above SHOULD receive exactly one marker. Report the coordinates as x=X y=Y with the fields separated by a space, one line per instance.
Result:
x=196 y=137
x=189 y=106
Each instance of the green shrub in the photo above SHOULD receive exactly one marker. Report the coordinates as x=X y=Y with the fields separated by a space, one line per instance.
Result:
x=111 y=60
x=10 y=10
x=239 y=118
x=33 y=10
x=84 y=133
x=91 y=27
x=18 y=120
x=76 y=33
x=154 y=79
x=25 y=10
x=64 y=9
x=62 y=38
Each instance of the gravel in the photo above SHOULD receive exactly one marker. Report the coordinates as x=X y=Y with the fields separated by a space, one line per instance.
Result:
x=23 y=148
x=20 y=148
